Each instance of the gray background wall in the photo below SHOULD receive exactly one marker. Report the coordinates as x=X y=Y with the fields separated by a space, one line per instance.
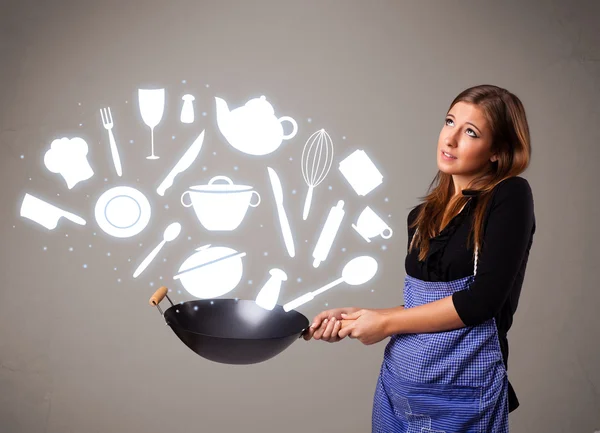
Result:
x=82 y=352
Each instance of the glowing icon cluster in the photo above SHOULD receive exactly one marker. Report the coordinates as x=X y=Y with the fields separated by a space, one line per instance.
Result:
x=221 y=203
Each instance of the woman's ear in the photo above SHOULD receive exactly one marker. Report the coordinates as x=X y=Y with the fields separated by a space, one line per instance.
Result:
x=494 y=158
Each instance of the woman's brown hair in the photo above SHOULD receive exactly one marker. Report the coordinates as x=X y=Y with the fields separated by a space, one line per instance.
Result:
x=510 y=141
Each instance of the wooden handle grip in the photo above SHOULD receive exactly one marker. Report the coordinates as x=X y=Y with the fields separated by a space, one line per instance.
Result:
x=158 y=296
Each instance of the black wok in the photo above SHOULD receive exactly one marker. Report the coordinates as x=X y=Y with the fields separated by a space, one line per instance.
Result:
x=232 y=331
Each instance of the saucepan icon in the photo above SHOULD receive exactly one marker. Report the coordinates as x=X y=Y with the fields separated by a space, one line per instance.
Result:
x=232 y=331
x=218 y=206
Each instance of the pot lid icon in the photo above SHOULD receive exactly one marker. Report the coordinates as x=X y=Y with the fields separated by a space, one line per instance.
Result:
x=206 y=256
x=211 y=271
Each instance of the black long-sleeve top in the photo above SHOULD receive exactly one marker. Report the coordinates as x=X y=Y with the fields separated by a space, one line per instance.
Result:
x=509 y=226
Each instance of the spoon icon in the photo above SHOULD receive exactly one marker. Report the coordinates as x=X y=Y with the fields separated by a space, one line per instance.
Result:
x=170 y=234
x=357 y=271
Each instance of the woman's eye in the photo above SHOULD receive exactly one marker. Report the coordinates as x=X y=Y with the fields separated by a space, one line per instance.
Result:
x=474 y=134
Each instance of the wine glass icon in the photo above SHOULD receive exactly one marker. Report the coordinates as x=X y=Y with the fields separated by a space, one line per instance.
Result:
x=152 y=107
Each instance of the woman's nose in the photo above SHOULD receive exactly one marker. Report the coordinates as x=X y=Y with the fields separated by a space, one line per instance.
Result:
x=451 y=139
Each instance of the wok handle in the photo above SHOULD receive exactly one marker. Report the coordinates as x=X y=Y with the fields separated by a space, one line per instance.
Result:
x=158 y=296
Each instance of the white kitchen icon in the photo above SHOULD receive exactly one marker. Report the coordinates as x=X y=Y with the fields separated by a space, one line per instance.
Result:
x=152 y=108
x=169 y=235
x=108 y=123
x=122 y=211
x=283 y=219
x=360 y=172
x=328 y=234
x=45 y=213
x=220 y=206
x=253 y=128
x=268 y=295
x=183 y=164
x=317 y=157
x=187 y=111
x=357 y=271
x=370 y=224
x=68 y=157
x=211 y=271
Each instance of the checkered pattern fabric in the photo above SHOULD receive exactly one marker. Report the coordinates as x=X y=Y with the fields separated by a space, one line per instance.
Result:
x=450 y=381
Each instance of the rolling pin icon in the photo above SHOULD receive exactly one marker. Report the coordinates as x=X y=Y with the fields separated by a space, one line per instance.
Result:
x=330 y=229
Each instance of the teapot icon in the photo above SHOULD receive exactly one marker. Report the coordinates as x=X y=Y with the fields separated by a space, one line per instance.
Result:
x=253 y=128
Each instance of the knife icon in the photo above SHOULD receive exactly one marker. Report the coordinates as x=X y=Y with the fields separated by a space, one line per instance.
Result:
x=283 y=219
x=183 y=164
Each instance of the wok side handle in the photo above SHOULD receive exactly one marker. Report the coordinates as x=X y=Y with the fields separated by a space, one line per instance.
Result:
x=158 y=296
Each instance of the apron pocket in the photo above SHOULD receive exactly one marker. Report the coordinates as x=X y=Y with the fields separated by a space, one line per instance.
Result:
x=436 y=408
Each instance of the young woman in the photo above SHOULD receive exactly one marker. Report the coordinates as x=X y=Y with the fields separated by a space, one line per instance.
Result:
x=445 y=365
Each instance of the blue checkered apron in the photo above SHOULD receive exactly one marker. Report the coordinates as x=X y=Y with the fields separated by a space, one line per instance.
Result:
x=442 y=382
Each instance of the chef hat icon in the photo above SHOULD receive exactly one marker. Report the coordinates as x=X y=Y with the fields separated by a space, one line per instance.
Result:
x=68 y=157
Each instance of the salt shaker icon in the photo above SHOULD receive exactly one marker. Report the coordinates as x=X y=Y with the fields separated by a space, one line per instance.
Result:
x=268 y=295
x=187 y=111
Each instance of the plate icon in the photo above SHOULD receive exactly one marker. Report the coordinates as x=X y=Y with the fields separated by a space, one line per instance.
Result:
x=122 y=212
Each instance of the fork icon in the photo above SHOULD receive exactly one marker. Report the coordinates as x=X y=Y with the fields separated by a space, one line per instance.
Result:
x=107 y=121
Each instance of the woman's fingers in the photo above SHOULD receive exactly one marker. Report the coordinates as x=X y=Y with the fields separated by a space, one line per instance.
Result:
x=320 y=330
x=308 y=334
x=317 y=321
x=326 y=326
x=334 y=333
x=329 y=329
x=345 y=322
x=315 y=325
x=346 y=328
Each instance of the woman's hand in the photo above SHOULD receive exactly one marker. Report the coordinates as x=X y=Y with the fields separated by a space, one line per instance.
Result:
x=326 y=325
x=367 y=326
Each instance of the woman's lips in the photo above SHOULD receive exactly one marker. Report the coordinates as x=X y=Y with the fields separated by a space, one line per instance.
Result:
x=446 y=157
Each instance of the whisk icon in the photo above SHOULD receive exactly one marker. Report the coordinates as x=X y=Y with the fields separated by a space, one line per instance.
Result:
x=317 y=158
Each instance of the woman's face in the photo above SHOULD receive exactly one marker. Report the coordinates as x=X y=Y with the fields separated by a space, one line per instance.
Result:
x=466 y=136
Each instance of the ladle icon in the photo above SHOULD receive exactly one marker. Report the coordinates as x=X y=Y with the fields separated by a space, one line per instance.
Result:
x=170 y=234
x=357 y=271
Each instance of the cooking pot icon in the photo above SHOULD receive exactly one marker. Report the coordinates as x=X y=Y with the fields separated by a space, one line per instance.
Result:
x=220 y=207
